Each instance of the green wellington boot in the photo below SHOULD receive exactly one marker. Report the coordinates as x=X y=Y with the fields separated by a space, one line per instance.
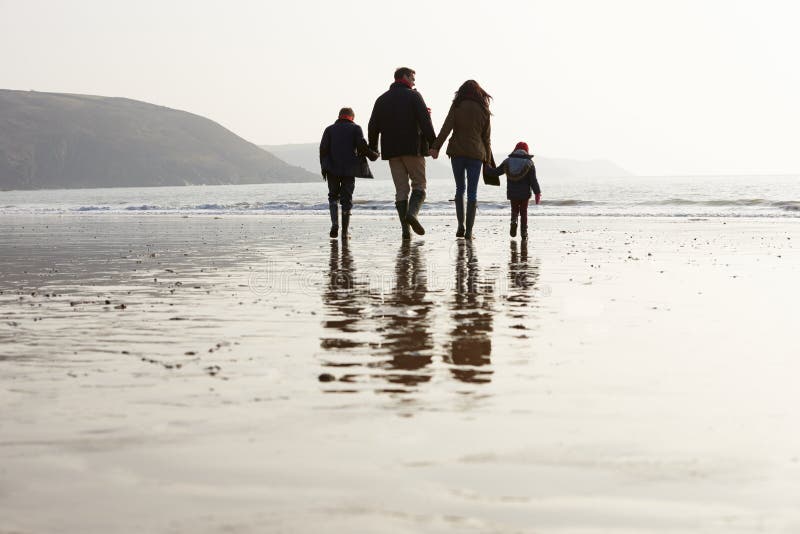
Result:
x=414 y=204
x=402 y=211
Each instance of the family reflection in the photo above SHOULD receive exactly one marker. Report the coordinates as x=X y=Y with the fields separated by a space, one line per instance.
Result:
x=385 y=333
x=523 y=275
x=346 y=298
x=472 y=309
x=403 y=351
x=407 y=336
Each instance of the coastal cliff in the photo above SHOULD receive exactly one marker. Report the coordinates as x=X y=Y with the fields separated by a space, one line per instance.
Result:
x=54 y=140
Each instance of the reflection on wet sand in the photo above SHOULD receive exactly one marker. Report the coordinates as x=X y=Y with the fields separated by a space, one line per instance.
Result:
x=406 y=332
x=522 y=274
x=382 y=335
x=472 y=309
x=405 y=346
x=346 y=296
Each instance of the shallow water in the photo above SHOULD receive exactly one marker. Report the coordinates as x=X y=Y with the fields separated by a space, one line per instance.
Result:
x=613 y=374
x=714 y=196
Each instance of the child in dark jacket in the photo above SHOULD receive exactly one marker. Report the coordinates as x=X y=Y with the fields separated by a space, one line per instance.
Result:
x=342 y=153
x=521 y=180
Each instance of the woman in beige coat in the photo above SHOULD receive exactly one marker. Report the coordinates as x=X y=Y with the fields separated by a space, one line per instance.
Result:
x=469 y=147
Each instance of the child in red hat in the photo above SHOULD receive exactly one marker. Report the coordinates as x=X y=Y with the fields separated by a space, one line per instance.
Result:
x=521 y=180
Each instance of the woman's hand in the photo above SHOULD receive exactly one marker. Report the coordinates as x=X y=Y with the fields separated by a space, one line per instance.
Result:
x=434 y=153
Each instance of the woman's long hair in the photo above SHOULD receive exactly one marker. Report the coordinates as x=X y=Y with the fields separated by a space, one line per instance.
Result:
x=470 y=90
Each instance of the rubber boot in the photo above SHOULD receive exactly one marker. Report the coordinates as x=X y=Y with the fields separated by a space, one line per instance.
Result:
x=414 y=204
x=460 y=216
x=513 y=230
x=523 y=231
x=402 y=211
x=471 y=208
x=345 y=224
x=334 y=208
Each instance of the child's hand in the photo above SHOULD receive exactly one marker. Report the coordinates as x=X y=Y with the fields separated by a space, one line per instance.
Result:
x=538 y=198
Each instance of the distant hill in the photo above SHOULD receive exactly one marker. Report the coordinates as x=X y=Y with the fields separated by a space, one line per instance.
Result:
x=306 y=155
x=52 y=140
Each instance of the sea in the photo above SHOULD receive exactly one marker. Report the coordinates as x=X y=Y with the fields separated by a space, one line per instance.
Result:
x=685 y=196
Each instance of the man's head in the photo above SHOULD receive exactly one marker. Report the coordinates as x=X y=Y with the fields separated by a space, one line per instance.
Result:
x=347 y=113
x=404 y=74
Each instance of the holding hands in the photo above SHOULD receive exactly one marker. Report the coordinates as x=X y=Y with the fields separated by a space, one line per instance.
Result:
x=364 y=149
x=434 y=153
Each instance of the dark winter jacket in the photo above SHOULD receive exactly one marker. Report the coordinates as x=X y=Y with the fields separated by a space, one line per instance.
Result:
x=339 y=150
x=401 y=119
x=520 y=173
x=471 y=127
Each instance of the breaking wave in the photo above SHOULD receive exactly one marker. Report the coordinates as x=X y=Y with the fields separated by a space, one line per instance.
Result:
x=788 y=205
x=376 y=205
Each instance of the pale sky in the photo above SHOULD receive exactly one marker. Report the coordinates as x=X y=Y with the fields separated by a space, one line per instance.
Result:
x=658 y=87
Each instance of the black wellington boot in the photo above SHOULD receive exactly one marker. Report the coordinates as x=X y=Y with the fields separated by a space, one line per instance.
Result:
x=523 y=231
x=402 y=211
x=471 y=208
x=460 y=216
x=414 y=204
x=345 y=224
x=513 y=230
x=334 y=208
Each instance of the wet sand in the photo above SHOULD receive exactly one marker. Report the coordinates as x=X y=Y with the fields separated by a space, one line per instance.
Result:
x=246 y=374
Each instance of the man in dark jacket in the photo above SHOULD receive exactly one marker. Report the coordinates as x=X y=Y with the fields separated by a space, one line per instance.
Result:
x=341 y=156
x=403 y=122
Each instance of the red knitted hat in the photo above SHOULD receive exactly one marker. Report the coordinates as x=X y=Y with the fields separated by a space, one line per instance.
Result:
x=523 y=145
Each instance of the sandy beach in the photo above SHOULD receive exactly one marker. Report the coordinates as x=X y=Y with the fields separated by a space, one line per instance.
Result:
x=246 y=374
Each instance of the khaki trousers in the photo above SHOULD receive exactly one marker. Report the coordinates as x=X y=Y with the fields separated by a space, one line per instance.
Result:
x=407 y=169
